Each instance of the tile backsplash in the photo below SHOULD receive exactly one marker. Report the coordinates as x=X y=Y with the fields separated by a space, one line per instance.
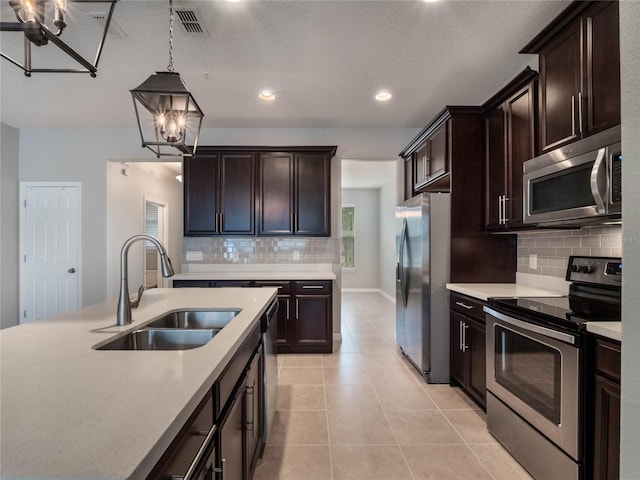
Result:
x=554 y=248
x=262 y=250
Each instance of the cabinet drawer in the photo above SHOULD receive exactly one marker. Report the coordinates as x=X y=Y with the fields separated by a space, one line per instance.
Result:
x=608 y=359
x=191 y=283
x=184 y=449
x=226 y=382
x=231 y=283
x=284 y=288
x=471 y=307
x=312 y=287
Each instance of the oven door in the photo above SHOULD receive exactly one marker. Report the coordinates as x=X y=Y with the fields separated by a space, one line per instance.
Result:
x=535 y=371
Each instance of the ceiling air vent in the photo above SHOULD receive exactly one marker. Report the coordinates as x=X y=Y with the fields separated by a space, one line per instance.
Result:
x=191 y=21
x=101 y=19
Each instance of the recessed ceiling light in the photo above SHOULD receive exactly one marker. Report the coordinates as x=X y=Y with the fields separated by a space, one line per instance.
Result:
x=267 y=95
x=383 y=96
x=430 y=1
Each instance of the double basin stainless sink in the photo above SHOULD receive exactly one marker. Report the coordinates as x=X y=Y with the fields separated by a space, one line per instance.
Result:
x=177 y=330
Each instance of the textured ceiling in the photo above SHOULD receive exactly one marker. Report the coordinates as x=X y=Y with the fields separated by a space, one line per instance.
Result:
x=323 y=59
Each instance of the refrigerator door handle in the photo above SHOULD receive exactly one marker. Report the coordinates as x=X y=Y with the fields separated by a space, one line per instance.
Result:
x=403 y=242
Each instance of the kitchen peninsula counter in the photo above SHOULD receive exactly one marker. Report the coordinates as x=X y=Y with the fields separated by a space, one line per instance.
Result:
x=70 y=411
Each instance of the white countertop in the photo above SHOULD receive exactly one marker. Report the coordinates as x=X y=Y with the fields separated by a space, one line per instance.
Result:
x=611 y=330
x=484 y=291
x=69 y=411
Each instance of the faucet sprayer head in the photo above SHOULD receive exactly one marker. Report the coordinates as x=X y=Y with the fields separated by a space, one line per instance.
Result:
x=165 y=265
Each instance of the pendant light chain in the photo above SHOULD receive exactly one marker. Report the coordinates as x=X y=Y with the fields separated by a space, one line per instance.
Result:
x=171 y=19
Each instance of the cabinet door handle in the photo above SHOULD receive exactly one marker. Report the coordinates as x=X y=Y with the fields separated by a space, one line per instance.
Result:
x=580 y=111
x=312 y=287
x=203 y=448
x=505 y=199
x=250 y=426
x=464 y=305
x=464 y=336
x=573 y=114
x=499 y=209
x=460 y=336
x=297 y=310
x=425 y=160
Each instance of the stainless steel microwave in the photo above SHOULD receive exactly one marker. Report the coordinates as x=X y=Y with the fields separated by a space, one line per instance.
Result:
x=579 y=184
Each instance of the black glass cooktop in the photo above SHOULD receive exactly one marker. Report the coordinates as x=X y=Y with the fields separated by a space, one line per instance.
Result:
x=569 y=312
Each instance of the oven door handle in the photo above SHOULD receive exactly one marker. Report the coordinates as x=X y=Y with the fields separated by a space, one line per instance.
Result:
x=547 y=332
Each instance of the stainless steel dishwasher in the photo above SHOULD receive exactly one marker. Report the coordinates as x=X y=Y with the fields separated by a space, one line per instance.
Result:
x=270 y=345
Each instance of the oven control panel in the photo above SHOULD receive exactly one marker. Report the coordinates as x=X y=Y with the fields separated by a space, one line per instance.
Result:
x=596 y=270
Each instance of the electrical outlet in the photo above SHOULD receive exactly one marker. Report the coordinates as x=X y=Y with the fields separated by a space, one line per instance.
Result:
x=296 y=255
x=194 y=256
x=533 y=261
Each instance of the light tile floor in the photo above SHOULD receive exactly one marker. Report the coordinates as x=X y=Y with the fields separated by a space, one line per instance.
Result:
x=364 y=413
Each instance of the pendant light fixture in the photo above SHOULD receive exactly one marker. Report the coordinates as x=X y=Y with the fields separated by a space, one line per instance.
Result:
x=32 y=16
x=167 y=114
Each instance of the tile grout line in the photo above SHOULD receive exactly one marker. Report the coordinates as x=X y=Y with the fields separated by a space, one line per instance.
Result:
x=386 y=417
x=326 y=417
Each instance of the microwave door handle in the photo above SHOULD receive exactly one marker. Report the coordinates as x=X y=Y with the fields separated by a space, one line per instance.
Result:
x=599 y=182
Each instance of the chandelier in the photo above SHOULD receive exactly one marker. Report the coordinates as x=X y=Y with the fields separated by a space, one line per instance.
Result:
x=33 y=16
x=166 y=112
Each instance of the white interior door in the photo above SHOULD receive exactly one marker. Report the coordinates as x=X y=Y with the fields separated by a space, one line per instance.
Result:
x=50 y=250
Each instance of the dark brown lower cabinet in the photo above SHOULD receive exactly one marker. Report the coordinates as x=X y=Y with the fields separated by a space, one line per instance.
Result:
x=226 y=427
x=305 y=311
x=606 y=442
x=468 y=347
x=182 y=453
x=231 y=450
x=312 y=325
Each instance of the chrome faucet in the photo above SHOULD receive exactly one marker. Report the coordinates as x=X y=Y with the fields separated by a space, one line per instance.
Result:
x=124 y=302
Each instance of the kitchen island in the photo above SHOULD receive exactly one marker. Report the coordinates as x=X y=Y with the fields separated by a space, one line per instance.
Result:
x=71 y=411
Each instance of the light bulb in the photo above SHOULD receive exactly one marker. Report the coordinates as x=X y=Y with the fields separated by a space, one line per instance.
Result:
x=171 y=126
x=28 y=11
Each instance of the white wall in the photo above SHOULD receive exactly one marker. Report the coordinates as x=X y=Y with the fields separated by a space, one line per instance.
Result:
x=366 y=274
x=388 y=202
x=9 y=171
x=125 y=217
x=630 y=69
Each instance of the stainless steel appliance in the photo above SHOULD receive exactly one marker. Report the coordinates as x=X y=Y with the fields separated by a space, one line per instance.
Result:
x=422 y=311
x=536 y=368
x=580 y=183
x=269 y=329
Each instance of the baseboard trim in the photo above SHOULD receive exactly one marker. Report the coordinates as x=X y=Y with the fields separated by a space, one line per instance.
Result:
x=370 y=290
x=337 y=337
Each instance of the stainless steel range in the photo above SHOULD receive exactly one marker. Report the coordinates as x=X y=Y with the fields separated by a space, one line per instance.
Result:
x=536 y=367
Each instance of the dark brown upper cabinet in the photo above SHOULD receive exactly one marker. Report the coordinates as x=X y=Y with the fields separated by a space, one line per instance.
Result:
x=295 y=192
x=509 y=142
x=457 y=132
x=579 y=88
x=219 y=193
x=430 y=161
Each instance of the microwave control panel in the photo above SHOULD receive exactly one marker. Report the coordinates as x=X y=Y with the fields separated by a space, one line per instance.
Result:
x=616 y=178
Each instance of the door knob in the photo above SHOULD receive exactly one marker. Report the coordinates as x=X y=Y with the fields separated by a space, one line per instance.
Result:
x=72 y=270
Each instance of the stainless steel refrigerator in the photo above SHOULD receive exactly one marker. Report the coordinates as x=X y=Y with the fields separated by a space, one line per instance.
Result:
x=422 y=312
